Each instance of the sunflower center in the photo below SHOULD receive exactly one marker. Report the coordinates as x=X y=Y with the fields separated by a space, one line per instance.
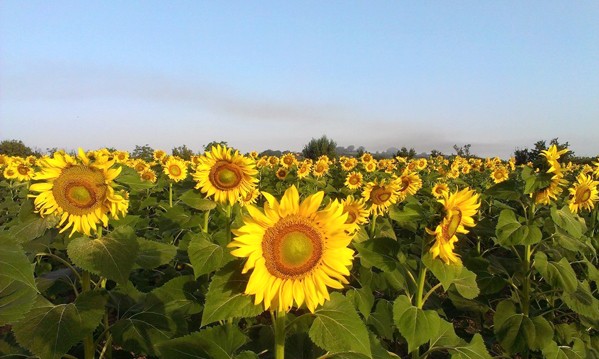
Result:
x=79 y=190
x=354 y=180
x=351 y=216
x=380 y=195
x=174 y=170
x=24 y=170
x=405 y=183
x=292 y=248
x=583 y=194
x=225 y=175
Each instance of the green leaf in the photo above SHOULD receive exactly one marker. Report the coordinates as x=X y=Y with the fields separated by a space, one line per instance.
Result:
x=445 y=336
x=445 y=273
x=362 y=299
x=196 y=200
x=153 y=254
x=16 y=299
x=407 y=216
x=583 y=302
x=510 y=232
x=465 y=283
x=475 y=350
x=507 y=190
x=226 y=299
x=15 y=266
x=32 y=227
x=206 y=256
x=111 y=256
x=177 y=296
x=378 y=252
x=338 y=328
x=571 y=223
x=130 y=178
x=49 y=330
x=515 y=332
x=543 y=333
x=218 y=342
x=557 y=274
x=553 y=351
x=382 y=319
x=417 y=326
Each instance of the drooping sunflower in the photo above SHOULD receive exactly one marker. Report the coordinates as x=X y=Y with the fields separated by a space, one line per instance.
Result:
x=380 y=195
x=175 y=168
x=354 y=180
x=225 y=174
x=460 y=208
x=78 y=190
x=584 y=194
x=408 y=184
x=356 y=210
x=440 y=189
x=295 y=250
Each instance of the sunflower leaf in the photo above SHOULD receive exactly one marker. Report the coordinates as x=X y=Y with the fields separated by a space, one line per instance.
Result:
x=196 y=200
x=153 y=254
x=417 y=326
x=206 y=256
x=111 y=256
x=218 y=342
x=338 y=328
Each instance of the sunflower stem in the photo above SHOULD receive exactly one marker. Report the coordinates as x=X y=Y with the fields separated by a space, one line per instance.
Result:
x=205 y=224
x=279 y=329
x=228 y=211
x=170 y=194
x=88 y=341
x=372 y=226
x=526 y=267
x=420 y=289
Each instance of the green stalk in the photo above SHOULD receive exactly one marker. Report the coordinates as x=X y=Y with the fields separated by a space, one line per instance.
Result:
x=170 y=194
x=372 y=226
x=526 y=288
x=420 y=289
x=205 y=224
x=228 y=211
x=279 y=329
x=88 y=342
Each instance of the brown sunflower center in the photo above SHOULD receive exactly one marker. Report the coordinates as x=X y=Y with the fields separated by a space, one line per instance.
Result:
x=174 y=170
x=405 y=183
x=380 y=195
x=352 y=215
x=292 y=248
x=225 y=175
x=583 y=193
x=354 y=180
x=79 y=190
x=24 y=170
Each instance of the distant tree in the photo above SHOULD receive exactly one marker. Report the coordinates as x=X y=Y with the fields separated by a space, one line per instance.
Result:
x=209 y=146
x=183 y=152
x=145 y=152
x=360 y=151
x=404 y=152
x=15 y=148
x=535 y=155
x=270 y=152
x=463 y=151
x=318 y=147
x=351 y=148
x=436 y=153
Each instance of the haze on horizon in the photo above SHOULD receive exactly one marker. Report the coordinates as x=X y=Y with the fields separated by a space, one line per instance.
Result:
x=273 y=75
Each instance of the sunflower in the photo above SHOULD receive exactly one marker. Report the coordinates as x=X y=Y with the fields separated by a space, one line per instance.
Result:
x=250 y=198
x=440 y=189
x=159 y=155
x=500 y=174
x=225 y=174
x=356 y=210
x=10 y=172
x=273 y=161
x=408 y=184
x=148 y=176
x=304 y=170
x=79 y=191
x=139 y=165
x=584 y=194
x=296 y=251
x=380 y=195
x=288 y=160
x=460 y=207
x=353 y=180
x=370 y=166
x=175 y=168
x=121 y=156
x=366 y=158
x=281 y=173
x=349 y=163
x=320 y=168
x=24 y=171
x=421 y=164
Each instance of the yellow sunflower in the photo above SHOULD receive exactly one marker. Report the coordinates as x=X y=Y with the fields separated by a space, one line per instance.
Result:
x=225 y=174
x=304 y=170
x=500 y=174
x=175 y=168
x=10 y=172
x=408 y=184
x=357 y=213
x=288 y=160
x=353 y=180
x=296 y=251
x=366 y=158
x=349 y=163
x=24 y=171
x=148 y=176
x=380 y=195
x=250 y=198
x=440 y=190
x=79 y=191
x=460 y=208
x=121 y=156
x=281 y=173
x=320 y=168
x=159 y=155
x=584 y=194
x=370 y=166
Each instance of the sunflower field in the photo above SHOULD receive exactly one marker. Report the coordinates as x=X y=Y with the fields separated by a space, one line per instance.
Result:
x=231 y=255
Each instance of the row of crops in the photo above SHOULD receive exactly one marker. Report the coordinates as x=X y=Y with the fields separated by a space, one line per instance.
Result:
x=240 y=256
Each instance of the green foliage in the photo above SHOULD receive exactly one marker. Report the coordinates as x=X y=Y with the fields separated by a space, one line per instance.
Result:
x=144 y=152
x=15 y=148
x=183 y=152
x=318 y=147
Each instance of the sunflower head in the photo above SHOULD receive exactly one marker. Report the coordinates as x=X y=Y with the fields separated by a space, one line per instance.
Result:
x=356 y=210
x=583 y=194
x=380 y=195
x=175 y=168
x=354 y=180
x=225 y=174
x=296 y=251
x=80 y=190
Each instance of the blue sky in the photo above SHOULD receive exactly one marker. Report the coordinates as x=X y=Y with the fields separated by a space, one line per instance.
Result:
x=270 y=74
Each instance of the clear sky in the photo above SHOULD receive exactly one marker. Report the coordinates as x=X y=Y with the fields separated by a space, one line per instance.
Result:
x=274 y=74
